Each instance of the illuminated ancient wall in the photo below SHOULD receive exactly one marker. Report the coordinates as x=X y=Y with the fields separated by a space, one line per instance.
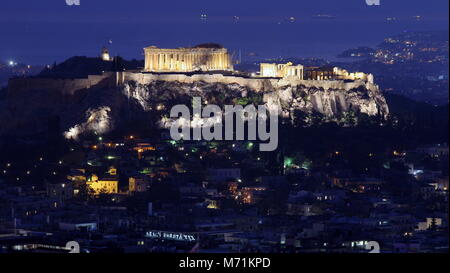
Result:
x=335 y=73
x=187 y=59
x=343 y=74
x=17 y=86
x=281 y=70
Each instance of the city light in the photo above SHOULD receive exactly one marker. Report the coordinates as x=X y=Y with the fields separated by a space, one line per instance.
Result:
x=90 y=150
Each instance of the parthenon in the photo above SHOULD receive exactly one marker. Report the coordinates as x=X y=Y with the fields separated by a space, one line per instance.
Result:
x=205 y=57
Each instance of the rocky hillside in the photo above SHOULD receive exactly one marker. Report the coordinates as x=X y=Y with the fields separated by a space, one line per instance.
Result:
x=101 y=109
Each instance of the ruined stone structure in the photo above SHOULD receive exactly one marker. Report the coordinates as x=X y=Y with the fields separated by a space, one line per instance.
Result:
x=299 y=72
x=281 y=70
x=319 y=73
x=205 y=57
x=342 y=74
x=335 y=73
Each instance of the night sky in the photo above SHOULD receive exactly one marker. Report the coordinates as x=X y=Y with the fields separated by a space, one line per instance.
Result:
x=44 y=31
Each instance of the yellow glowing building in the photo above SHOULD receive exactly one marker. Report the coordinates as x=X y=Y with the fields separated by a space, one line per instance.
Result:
x=108 y=185
x=281 y=70
x=204 y=57
x=103 y=186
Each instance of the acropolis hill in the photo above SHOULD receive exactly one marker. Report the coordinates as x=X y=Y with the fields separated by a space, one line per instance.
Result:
x=205 y=62
x=205 y=70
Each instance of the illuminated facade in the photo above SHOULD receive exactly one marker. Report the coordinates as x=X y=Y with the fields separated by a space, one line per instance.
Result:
x=105 y=55
x=335 y=73
x=281 y=70
x=206 y=57
x=343 y=74
x=107 y=185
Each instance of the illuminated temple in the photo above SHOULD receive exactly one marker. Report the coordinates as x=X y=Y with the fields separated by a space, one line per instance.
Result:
x=281 y=70
x=204 y=57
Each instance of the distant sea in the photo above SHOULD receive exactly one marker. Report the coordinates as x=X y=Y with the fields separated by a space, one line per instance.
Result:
x=47 y=42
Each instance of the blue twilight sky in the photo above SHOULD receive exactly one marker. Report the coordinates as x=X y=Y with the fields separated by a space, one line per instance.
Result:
x=44 y=31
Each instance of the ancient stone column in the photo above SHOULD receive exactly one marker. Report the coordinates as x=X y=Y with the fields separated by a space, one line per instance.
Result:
x=189 y=62
x=166 y=61
x=217 y=61
x=150 y=61
x=169 y=61
x=147 y=67
x=155 y=61
x=177 y=62
x=227 y=59
x=161 y=61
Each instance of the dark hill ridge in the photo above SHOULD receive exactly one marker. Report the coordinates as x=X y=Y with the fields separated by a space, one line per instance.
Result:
x=81 y=67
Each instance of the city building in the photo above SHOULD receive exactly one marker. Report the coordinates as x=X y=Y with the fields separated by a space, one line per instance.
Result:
x=138 y=184
x=61 y=191
x=108 y=184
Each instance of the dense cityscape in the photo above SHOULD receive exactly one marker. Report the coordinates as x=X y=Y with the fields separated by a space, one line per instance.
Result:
x=228 y=196
x=89 y=163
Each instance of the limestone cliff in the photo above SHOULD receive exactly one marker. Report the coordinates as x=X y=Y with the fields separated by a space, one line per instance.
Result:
x=329 y=98
x=102 y=107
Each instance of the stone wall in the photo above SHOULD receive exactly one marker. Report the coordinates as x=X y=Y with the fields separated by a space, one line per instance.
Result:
x=258 y=84
x=111 y=79
x=145 y=78
x=18 y=86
